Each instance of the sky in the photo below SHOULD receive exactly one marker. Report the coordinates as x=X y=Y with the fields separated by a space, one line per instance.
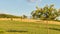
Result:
x=24 y=7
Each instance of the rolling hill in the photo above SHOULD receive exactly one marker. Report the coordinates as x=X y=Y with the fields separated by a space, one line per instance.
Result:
x=8 y=16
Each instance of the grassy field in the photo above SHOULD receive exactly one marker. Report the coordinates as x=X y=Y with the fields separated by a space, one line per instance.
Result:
x=16 y=27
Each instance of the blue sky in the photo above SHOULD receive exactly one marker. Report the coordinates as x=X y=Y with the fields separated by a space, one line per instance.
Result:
x=20 y=7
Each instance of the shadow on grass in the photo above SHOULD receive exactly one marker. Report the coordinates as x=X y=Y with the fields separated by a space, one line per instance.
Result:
x=2 y=31
x=17 y=31
x=54 y=29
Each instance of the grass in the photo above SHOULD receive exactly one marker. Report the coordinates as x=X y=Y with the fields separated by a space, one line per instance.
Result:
x=16 y=27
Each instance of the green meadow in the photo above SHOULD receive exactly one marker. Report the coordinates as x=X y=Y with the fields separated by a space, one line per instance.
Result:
x=17 y=27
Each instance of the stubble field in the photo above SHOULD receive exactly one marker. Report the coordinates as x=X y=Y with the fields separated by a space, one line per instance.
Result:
x=28 y=26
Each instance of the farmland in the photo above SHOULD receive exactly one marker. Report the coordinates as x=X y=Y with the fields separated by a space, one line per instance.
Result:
x=29 y=17
x=21 y=27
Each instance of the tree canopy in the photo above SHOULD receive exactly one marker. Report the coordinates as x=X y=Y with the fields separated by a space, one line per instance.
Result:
x=46 y=13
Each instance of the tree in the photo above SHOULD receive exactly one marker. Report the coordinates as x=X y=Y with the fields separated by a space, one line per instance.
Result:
x=24 y=16
x=47 y=12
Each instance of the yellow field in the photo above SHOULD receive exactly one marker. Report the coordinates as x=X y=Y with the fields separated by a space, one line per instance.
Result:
x=31 y=26
x=32 y=20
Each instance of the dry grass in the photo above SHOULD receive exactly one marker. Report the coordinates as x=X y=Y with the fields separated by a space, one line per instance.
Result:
x=32 y=20
x=30 y=25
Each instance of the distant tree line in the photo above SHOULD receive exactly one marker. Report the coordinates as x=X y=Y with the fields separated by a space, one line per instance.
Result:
x=8 y=16
x=12 y=16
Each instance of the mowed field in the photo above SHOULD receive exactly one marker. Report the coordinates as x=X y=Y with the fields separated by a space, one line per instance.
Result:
x=29 y=27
